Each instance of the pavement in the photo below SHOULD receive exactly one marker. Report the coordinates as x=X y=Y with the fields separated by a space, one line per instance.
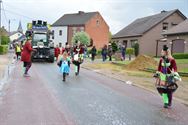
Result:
x=87 y=99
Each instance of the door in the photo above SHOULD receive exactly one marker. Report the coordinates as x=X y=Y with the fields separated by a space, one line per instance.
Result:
x=178 y=46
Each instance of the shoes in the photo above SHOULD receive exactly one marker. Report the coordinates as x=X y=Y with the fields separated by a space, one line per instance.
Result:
x=165 y=105
x=76 y=73
x=26 y=75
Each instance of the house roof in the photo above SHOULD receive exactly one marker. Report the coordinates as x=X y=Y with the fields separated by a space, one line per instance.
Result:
x=181 y=28
x=79 y=18
x=142 y=25
x=14 y=32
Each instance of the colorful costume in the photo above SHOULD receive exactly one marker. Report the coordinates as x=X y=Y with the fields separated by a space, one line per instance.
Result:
x=78 y=58
x=64 y=67
x=166 y=82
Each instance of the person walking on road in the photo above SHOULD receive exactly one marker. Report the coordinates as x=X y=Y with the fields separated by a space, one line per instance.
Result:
x=63 y=64
x=93 y=53
x=17 y=51
x=167 y=76
x=57 y=52
x=78 y=57
x=26 y=55
x=104 y=53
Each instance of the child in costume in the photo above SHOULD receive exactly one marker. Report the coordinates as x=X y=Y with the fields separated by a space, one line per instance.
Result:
x=63 y=64
x=78 y=57
x=167 y=76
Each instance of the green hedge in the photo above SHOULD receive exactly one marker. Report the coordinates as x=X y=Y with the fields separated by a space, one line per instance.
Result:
x=99 y=52
x=130 y=51
x=180 y=55
x=3 y=49
x=5 y=40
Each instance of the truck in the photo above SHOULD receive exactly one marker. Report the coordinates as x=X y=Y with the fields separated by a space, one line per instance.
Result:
x=40 y=32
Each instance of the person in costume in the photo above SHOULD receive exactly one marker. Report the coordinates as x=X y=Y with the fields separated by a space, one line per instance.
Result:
x=26 y=55
x=167 y=76
x=18 y=50
x=63 y=64
x=57 y=52
x=68 y=50
x=78 y=57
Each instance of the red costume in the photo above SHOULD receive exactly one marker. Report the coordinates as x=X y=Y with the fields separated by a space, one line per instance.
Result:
x=57 y=51
x=171 y=67
x=26 y=53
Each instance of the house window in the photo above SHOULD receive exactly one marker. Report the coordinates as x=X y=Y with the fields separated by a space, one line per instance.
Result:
x=165 y=26
x=97 y=22
x=60 y=32
x=133 y=42
x=52 y=37
x=82 y=29
x=174 y=24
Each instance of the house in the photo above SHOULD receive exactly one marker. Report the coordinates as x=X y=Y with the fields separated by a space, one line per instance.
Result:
x=177 y=38
x=148 y=30
x=91 y=22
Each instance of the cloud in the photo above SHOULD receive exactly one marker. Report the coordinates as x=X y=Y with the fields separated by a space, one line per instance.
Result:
x=117 y=13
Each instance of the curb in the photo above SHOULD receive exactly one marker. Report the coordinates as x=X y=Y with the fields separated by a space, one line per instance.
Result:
x=136 y=85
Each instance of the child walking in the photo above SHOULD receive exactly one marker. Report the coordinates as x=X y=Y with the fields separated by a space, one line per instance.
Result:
x=63 y=64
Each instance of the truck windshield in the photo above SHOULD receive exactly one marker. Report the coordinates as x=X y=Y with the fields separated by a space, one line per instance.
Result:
x=40 y=37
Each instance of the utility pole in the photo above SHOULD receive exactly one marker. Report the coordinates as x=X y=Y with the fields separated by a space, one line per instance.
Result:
x=0 y=22
x=9 y=25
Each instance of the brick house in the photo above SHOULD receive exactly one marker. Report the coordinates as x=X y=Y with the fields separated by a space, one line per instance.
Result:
x=92 y=23
x=177 y=38
x=148 y=30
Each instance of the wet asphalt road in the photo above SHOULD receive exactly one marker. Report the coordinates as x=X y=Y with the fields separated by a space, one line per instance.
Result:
x=87 y=99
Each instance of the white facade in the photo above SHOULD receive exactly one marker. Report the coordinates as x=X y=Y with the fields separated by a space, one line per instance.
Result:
x=60 y=35
x=15 y=36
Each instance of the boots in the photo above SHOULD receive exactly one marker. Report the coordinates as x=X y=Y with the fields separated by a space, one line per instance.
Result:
x=64 y=77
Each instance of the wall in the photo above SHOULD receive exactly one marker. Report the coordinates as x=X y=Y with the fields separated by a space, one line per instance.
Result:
x=148 y=41
x=98 y=30
x=57 y=38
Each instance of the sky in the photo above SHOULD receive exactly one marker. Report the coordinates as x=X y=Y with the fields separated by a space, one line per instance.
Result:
x=117 y=13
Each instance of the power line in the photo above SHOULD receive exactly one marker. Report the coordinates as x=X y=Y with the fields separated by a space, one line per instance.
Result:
x=8 y=11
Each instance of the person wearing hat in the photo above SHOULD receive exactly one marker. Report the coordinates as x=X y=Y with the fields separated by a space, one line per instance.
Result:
x=26 y=55
x=167 y=69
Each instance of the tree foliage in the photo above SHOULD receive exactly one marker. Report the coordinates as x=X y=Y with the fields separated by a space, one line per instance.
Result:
x=83 y=37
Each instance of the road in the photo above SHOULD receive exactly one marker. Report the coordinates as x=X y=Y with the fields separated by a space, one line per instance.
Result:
x=87 y=99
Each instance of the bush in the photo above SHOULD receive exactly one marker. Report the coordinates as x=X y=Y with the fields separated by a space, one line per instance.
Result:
x=5 y=40
x=83 y=37
x=180 y=55
x=136 y=48
x=130 y=51
x=99 y=52
x=3 y=49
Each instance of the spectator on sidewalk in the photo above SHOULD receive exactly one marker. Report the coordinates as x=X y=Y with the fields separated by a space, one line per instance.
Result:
x=110 y=52
x=26 y=55
x=104 y=53
x=93 y=53
x=123 y=50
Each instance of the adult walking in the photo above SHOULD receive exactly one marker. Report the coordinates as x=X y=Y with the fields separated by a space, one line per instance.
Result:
x=123 y=50
x=78 y=57
x=167 y=73
x=110 y=52
x=18 y=50
x=57 y=52
x=26 y=55
x=93 y=53
x=104 y=53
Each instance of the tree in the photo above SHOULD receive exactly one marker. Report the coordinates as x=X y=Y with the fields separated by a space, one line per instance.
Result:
x=83 y=37
x=136 y=48
x=5 y=40
x=114 y=47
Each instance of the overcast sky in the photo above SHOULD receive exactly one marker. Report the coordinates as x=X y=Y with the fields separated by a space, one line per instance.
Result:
x=117 y=13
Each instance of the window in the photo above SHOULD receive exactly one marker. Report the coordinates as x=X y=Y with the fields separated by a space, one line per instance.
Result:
x=40 y=37
x=133 y=42
x=174 y=24
x=60 y=32
x=97 y=22
x=165 y=26
x=52 y=32
x=52 y=37
x=81 y=29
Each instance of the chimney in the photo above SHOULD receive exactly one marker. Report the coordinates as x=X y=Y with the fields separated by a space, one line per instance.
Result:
x=163 y=11
x=80 y=12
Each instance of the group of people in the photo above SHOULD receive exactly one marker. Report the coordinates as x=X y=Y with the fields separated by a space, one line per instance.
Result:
x=67 y=55
x=166 y=75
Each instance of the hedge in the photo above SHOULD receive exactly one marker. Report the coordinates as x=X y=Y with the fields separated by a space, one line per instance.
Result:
x=5 y=40
x=180 y=55
x=3 y=49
